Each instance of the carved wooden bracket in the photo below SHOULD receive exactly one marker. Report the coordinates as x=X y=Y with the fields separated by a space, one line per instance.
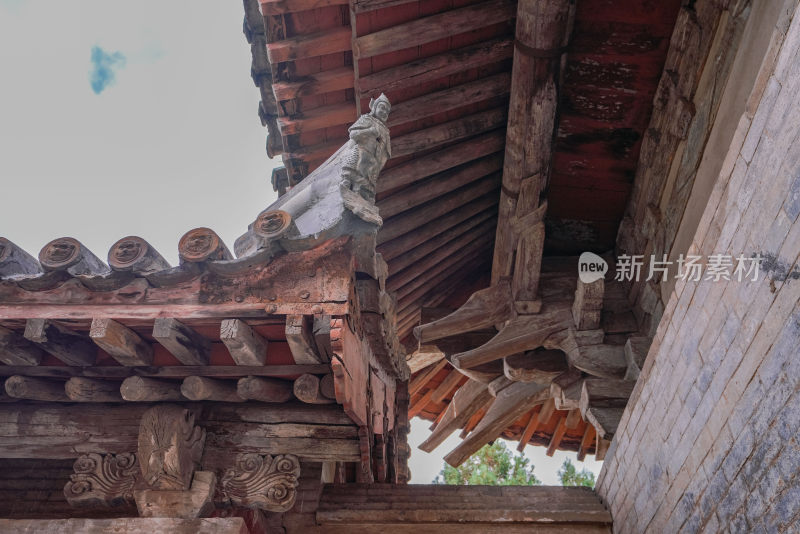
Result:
x=102 y=480
x=170 y=447
x=262 y=481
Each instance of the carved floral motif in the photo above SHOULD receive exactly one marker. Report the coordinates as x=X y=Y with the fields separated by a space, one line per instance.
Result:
x=265 y=482
x=106 y=480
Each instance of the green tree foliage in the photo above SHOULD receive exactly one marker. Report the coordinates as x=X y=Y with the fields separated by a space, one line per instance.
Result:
x=572 y=477
x=493 y=465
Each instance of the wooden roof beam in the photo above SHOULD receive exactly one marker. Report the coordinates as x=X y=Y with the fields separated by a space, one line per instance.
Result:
x=511 y=403
x=422 y=167
x=68 y=346
x=430 y=270
x=447 y=132
x=400 y=279
x=435 y=27
x=318 y=118
x=312 y=45
x=16 y=350
x=425 y=375
x=409 y=221
x=439 y=185
x=467 y=400
x=483 y=222
x=543 y=29
x=314 y=84
x=122 y=343
x=455 y=97
x=434 y=67
x=282 y=7
x=394 y=248
x=189 y=347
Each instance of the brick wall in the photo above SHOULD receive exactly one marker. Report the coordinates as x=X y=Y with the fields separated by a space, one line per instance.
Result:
x=709 y=441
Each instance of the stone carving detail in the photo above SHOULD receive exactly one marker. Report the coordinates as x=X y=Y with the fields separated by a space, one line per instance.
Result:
x=106 y=480
x=322 y=205
x=365 y=156
x=170 y=447
x=265 y=482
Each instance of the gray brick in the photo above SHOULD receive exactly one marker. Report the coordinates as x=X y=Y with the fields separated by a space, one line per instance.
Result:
x=784 y=509
x=754 y=509
x=763 y=455
x=738 y=524
x=727 y=507
x=717 y=486
x=792 y=204
x=738 y=454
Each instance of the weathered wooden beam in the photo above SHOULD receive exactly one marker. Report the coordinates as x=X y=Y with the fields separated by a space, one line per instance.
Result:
x=135 y=255
x=449 y=99
x=200 y=245
x=558 y=435
x=409 y=221
x=418 y=405
x=189 y=347
x=417 y=169
x=265 y=389
x=471 y=262
x=475 y=419
x=312 y=45
x=322 y=336
x=122 y=343
x=395 y=248
x=246 y=346
x=434 y=27
x=450 y=382
x=587 y=307
x=300 y=337
x=363 y=6
x=586 y=442
x=139 y=389
x=601 y=448
x=539 y=365
x=307 y=389
x=326 y=386
x=432 y=68
x=467 y=400
x=542 y=30
x=604 y=393
x=428 y=270
x=128 y=525
x=318 y=118
x=16 y=350
x=170 y=371
x=425 y=376
x=511 y=403
x=314 y=433
x=524 y=333
x=202 y=388
x=439 y=185
x=314 y=84
x=26 y=387
x=15 y=261
x=483 y=309
x=573 y=419
x=68 y=346
x=605 y=361
x=542 y=416
x=446 y=132
x=81 y=389
x=281 y=7
x=68 y=254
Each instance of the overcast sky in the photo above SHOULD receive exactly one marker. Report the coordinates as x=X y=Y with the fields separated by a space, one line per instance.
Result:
x=140 y=118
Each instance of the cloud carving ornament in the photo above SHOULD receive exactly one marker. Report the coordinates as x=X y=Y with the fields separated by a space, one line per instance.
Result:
x=262 y=481
x=105 y=480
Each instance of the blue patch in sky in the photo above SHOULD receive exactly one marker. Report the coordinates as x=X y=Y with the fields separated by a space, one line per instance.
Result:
x=103 y=70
